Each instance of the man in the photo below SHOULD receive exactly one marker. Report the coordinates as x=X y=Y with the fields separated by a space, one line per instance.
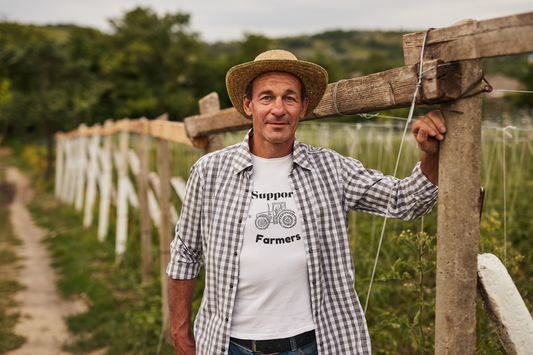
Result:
x=268 y=217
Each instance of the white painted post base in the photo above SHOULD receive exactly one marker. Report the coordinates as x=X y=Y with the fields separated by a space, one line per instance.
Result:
x=505 y=307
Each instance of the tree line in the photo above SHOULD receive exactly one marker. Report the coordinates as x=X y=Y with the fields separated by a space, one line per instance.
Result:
x=149 y=64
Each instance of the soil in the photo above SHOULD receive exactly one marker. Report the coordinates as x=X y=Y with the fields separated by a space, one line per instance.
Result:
x=42 y=310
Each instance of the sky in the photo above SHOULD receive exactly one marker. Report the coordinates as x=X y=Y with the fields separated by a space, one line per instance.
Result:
x=225 y=20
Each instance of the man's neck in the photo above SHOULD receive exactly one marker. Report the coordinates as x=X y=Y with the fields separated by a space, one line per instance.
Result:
x=270 y=150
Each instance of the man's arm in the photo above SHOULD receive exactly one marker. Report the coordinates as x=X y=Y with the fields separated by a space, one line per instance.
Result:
x=429 y=131
x=180 y=294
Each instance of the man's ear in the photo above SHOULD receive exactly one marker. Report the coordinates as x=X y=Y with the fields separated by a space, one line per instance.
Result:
x=305 y=104
x=246 y=105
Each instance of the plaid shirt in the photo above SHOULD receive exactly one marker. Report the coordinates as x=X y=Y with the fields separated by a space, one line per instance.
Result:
x=326 y=187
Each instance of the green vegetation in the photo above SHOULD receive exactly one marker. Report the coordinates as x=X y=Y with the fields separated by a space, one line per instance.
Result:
x=124 y=315
x=8 y=285
x=56 y=77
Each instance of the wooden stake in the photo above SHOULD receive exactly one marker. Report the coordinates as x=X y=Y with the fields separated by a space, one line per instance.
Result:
x=146 y=224
x=209 y=104
x=458 y=221
x=165 y=232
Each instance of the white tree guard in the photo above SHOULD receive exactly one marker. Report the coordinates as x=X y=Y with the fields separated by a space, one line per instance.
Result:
x=59 y=168
x=72 y=169
x=80 y=175
x=133 y=199
x=505 y=307
x=134 y=161
x=179 y=186
x=153 y=206
x=65 y=180
x=93 y=172
x=154 y=180
x=122 y=198
x=105 y=183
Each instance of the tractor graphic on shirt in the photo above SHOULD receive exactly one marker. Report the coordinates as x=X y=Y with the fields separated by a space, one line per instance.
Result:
x=279 y=215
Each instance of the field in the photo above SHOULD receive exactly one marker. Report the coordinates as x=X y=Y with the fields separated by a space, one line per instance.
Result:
x=125 y=314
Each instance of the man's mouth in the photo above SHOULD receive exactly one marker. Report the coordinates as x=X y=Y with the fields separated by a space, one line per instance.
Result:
x=278 y=124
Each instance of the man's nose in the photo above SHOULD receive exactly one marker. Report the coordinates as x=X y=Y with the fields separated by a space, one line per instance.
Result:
x=278 y=108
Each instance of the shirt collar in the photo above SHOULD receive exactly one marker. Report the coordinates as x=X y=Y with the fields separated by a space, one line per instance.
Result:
x=244 y=156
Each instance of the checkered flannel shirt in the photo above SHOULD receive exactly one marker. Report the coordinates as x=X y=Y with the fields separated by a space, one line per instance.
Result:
x=326 y=187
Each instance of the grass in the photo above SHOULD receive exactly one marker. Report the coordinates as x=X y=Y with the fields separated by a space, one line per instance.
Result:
x=124 y=316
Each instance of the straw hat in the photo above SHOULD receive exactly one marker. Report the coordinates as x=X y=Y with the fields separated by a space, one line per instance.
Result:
x=313 y=76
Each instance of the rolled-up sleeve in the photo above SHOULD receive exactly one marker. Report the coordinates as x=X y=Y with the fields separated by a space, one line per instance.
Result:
x=186 y=248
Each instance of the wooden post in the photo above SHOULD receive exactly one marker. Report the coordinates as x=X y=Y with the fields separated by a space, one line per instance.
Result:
x=122 y=198
x=458 y=221
x=165 y=232
x=210 y=104
x=105 y=181
x=142 y=180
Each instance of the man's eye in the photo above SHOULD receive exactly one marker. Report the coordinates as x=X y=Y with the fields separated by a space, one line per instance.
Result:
x=291 y=98
x=265 y=98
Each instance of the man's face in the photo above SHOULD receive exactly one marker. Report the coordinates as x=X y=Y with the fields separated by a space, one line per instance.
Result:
x=276 y=108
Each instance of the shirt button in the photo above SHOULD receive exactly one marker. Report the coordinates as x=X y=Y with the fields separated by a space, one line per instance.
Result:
x=316 y=314
x=314 y=282
x=296 y=187
x=223 y=350
x=227 y=319
x=310 y=250
x=246 y=190
x=240 y=220
x=230 y=286
x=235 y=253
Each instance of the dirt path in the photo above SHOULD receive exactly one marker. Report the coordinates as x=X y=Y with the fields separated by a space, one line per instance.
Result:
x=42 y=310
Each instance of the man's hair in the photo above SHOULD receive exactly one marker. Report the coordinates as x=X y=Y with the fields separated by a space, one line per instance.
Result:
x=250 y=90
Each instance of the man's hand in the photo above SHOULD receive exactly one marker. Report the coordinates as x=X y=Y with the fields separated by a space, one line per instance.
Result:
x=429 y=131
x=180 y=294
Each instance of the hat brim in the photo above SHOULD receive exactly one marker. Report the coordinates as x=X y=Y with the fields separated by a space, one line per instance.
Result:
x=313 y=77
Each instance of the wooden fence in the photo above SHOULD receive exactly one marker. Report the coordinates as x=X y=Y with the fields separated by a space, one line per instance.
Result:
x=451 y=63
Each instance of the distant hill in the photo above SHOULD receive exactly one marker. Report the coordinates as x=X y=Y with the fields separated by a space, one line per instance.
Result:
x=344 y=53
x=57 y=32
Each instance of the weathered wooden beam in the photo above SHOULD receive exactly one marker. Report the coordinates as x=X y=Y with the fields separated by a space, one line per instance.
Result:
x=174 y=132
x=389 y=90
x=381 y=91
x=473 y=39
x=226 y=120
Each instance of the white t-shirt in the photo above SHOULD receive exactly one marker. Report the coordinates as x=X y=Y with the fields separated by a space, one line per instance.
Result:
x=273 y=296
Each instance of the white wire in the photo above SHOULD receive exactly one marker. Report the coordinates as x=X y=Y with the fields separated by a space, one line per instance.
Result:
x=522 y=91
x=411 y=111
x=504 y=132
